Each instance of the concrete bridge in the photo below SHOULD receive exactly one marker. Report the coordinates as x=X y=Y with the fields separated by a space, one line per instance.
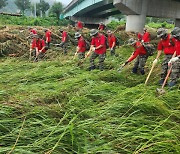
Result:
x=95 y=11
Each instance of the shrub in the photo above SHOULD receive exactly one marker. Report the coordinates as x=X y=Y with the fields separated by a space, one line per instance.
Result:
x=47 y=21
x=115 y=24
x=159 y=25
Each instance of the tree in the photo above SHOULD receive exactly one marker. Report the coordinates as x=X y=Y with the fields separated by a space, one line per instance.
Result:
x=56 y=10
x=43 y=6
x=3 y=3
x=23 y=5
x=38 y=12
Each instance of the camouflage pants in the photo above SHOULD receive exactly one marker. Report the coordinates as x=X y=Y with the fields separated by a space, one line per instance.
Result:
x=175 y=74
x=140 y=62
x=32 y=54
x=165 y=66
x=112 y=51
x=81 y=55
x=101 y=59
x=41 y=55
x=63 y=45
x=47 y=46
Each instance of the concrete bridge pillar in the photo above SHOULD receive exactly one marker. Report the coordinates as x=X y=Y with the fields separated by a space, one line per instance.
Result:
x=136 y=23
x=177 y=22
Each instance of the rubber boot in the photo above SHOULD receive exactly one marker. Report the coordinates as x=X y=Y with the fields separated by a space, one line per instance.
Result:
x=65 y=53
x=112 y=52
x=91 y=68
x=142 y=72
x=36 y=59
x=161 y=82
x=134 y=70
x=101 y=68
x=172 y=84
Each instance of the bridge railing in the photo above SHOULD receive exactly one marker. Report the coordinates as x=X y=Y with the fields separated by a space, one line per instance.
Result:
x=76 y=3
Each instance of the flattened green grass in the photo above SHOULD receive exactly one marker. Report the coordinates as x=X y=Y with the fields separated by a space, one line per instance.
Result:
x=71 y=110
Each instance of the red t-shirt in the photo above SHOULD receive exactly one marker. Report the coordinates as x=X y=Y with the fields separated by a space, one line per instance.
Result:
x=177 y=47
x=40 y=44
x=64 y=36
x=140 y=50
x=111 y=39
x=48 y=36
x=33 y=44
x=167 y=46
x=79 y=25
x=82 y=44
x=139 y=36
x=33 y=31
x=97 y=41
x=146 y=37
x=101 y=27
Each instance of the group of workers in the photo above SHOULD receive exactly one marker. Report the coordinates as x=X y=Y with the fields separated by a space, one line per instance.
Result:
x=39 y=46
x=169 y=44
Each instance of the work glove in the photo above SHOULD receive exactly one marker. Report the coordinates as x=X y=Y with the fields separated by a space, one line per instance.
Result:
x=172 y=60
x=126 y=63
x=155 y=61
x=77 y=49
x=88 y=54
x=93 y=48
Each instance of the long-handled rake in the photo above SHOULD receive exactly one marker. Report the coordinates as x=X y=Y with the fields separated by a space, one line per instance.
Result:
x=161 y=90
x=150 y=73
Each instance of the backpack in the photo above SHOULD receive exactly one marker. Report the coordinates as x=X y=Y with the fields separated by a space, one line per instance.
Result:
x=117 y=42
x=172 y=42
x=150 y=49
x=46 y=46
x=87 y=45
x=106 y=42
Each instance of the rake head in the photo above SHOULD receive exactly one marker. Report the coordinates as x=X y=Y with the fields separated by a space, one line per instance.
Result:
x=121 y=68
x=160 y=91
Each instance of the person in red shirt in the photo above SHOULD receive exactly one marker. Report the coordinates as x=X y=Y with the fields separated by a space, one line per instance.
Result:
x=166 y=44
x=33 y=33
x=32 y=52
x=139 y=36
x=111 y=42
x=47 y=38
x=79 y=25
x=64 y=41
x=175 y=60
x=81 y=47
x=98 y=47
x=146 y=36
x=140 y=53
x=101 y=26
x=32 y=30
x=40 y=48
